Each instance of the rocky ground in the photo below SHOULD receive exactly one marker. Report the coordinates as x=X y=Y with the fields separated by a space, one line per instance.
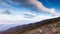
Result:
x=50 y=28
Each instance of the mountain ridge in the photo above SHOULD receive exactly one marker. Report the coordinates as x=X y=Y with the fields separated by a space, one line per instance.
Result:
x=27 y=27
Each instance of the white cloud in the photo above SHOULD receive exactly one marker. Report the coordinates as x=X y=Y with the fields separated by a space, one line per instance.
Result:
x=10 y=17
x=41 y=7
x=29 y=14
x=20 y=19
x=4 y=11
x=38 y=5
x=13 y=19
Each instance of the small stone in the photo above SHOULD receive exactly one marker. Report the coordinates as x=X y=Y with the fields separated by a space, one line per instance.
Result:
x=54 y=30
x=41 y=31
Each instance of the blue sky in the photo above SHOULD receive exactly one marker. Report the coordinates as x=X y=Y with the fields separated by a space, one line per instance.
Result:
x=27 y=12
x=47 y=3
x=52 y=4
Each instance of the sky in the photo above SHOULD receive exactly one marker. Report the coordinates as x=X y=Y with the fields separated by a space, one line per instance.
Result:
x=52 y=4
x=21 y=12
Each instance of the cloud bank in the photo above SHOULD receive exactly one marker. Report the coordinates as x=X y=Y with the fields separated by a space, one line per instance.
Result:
x=38 y=5
x=4 y=11
x=22 y=19
x=26 y=17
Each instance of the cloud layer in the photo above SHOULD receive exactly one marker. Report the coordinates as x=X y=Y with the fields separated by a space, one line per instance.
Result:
x=37 y=4
x=22 y=19
x=4 y=11
x=6 y=17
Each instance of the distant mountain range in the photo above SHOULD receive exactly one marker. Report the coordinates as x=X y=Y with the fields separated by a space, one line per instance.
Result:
x=22 y=28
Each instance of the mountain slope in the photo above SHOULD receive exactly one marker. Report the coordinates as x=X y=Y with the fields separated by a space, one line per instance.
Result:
x=34 y=27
